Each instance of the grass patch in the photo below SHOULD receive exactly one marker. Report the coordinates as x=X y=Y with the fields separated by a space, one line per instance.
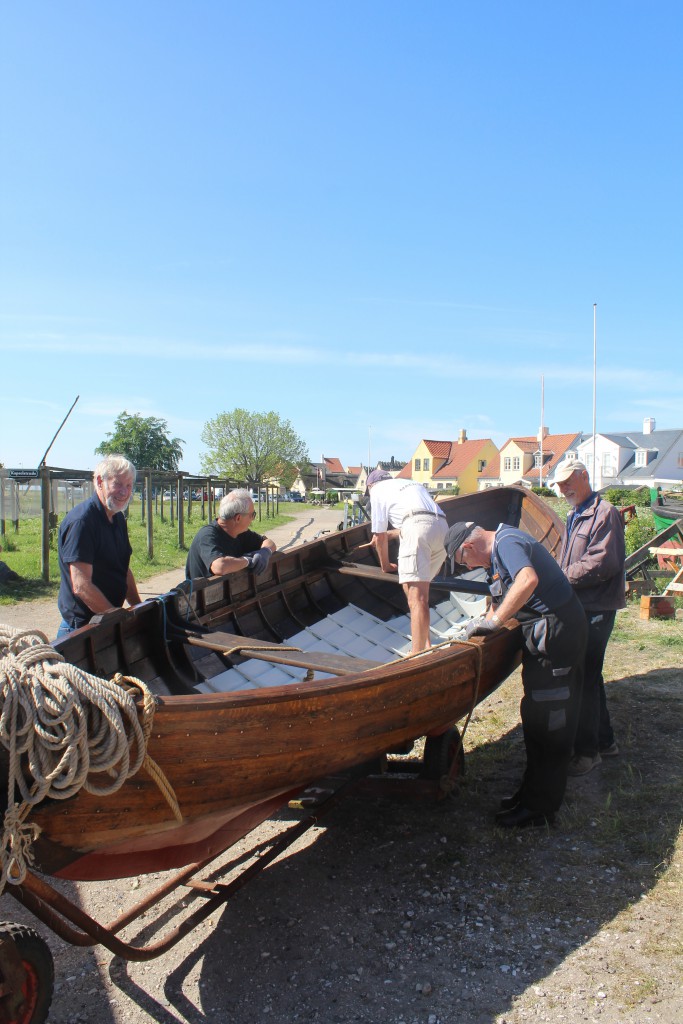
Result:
x=22 y=553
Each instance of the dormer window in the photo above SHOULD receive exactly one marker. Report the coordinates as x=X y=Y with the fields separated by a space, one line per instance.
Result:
x=641 y=456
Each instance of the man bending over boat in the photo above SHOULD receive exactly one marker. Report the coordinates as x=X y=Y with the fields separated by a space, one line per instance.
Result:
x=527 y=584
x=406 y=506
x=229 y=544
x=94 y=550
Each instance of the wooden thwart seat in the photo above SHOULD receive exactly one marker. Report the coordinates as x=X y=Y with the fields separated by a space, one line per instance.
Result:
x=374 y=572
x=280 y=654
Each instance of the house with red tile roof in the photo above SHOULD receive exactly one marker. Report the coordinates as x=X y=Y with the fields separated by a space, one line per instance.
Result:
x=530 y=461
x=441 y=465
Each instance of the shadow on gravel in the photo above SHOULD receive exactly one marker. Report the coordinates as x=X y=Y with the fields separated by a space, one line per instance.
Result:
x=392 y=911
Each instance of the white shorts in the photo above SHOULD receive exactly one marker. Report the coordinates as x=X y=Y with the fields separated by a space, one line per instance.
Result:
x=421 y=552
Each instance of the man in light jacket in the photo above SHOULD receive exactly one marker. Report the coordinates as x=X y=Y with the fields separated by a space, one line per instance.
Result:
x=592 y=558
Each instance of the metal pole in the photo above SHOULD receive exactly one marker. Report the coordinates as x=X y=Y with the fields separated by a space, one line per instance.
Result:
x=540 y=475
x=595 y=365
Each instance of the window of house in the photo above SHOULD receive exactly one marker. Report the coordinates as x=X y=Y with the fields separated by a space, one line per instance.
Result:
x=425 y=465
x=641 y=457
x=481 y=465
x=680 y=460
x=507 y=463
x=537 y=459
x=418 y=464
x=439 y=487
x=515 y=463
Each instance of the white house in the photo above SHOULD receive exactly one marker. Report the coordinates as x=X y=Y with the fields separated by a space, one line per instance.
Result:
x=635 y=459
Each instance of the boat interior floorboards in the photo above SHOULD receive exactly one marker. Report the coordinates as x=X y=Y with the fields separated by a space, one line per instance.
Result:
x=350 y=631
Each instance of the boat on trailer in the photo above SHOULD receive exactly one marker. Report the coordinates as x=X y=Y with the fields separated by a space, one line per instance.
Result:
x=264 y=686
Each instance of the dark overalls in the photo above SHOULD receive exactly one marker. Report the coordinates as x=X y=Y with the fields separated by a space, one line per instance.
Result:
x=552 y=667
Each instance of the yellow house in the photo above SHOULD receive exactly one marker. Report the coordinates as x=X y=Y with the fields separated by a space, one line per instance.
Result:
x=442 y=464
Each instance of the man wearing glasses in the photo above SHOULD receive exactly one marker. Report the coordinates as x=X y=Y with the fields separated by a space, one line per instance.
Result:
x=229 y=544
x=527 y=584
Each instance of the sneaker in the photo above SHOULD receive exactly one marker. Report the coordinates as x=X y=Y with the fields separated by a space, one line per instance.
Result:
x=610 y=751
x=582 y=764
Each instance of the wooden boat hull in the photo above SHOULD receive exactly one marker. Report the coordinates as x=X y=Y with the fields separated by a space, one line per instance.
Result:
x=233 y=758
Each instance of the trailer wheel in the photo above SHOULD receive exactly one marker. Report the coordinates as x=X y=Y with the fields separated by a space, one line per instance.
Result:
x=439 y=753
x=24 y=1000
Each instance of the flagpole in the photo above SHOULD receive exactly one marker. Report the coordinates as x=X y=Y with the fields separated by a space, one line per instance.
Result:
x=540 y=475
x=595 y=365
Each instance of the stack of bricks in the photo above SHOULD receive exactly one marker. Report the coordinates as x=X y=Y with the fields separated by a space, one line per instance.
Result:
x=657 y=606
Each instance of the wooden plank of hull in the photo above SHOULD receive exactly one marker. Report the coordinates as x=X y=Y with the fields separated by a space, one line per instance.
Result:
x=222 y=752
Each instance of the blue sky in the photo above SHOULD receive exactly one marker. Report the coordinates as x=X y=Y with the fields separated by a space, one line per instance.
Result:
x=383 y=220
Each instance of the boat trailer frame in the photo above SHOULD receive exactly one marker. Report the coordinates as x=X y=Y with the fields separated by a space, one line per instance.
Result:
x=72 y=924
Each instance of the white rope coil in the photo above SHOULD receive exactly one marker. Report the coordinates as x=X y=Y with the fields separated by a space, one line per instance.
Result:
x=73 y=730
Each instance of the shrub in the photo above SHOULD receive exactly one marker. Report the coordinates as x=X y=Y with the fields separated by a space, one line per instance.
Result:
x=624 y=496
x=639 y=531
x=545 y=492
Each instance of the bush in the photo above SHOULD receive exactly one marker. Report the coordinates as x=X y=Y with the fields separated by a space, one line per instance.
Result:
x=639 y=531
x=544 y=492
x=624 y=496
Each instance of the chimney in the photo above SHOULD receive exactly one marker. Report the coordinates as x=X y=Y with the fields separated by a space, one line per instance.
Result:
x=462 y=437
x=649 y=425
x=542 y=434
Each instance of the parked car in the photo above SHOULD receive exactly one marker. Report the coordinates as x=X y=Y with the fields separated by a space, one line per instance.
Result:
x=297 y=497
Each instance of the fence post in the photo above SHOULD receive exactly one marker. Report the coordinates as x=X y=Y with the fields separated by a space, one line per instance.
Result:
x=181 y=510
x=150 y=521
x=45 y=529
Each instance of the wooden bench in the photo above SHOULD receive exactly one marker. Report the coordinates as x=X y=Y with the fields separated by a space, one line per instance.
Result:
x=281 y=654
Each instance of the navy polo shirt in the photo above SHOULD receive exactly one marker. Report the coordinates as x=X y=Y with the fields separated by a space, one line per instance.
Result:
x=514 y=550
x=87 y=535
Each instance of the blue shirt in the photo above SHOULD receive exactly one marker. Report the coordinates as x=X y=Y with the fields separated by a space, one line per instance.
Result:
x=87 y=535
x=514 y=550
x=576 y=512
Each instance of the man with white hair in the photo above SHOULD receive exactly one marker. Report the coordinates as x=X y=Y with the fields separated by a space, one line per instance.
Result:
x=94 y=549
x=592 y=558
x=229 y=544
x=406 y=506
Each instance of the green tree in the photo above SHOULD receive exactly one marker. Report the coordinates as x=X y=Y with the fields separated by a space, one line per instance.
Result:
x=145 y=441
x=252 y=446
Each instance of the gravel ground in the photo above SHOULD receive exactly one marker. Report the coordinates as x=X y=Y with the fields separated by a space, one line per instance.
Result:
x=391 y=911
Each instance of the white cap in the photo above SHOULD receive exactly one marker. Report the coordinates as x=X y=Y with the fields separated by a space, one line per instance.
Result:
x=566 y=469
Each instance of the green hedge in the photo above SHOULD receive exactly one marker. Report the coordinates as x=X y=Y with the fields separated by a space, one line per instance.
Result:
x=626 y=496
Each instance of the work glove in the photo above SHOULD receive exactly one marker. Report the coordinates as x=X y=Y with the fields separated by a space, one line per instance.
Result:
x=258 y=560
x=481 y=626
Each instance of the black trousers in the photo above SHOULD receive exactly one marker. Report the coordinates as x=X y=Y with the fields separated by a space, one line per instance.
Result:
x=552 y=671
x=594 y=731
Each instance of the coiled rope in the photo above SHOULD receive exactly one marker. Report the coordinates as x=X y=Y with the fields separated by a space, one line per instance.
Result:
x=73 y=731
